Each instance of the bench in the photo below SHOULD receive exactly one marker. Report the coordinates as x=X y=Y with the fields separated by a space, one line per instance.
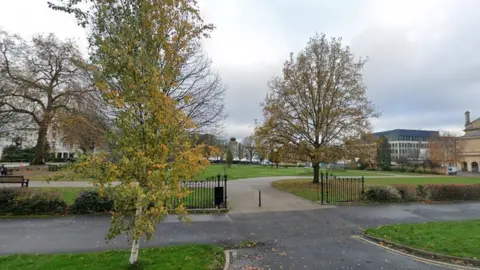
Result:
x=17 y=179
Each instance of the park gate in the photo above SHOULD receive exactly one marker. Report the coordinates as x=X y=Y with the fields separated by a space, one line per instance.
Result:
x=335 y=189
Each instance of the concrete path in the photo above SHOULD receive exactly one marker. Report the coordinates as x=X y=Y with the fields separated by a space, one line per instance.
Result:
x=297 y=234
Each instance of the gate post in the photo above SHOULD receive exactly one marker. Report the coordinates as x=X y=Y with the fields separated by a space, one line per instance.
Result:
x=225 y=178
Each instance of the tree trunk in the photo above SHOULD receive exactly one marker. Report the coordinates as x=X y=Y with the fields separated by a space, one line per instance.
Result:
x=316 y=172
x=41 y=146
x=135 y=243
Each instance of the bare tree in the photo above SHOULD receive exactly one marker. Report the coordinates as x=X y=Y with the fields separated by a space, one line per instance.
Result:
x=444 y=149
x=249 y=144
x=319 y=102
x=40 y=79
x=200 y=93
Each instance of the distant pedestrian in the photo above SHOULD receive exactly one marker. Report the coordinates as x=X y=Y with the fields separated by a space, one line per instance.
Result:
x=3 y=170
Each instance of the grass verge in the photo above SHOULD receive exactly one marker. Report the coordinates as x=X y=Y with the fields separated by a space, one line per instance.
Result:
x=183 y=257
x=458 y=238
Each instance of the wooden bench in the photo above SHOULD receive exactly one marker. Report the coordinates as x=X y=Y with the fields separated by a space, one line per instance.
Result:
x=11 y=179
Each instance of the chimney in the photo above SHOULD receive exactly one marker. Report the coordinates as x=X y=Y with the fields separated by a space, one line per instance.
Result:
x=467 y=118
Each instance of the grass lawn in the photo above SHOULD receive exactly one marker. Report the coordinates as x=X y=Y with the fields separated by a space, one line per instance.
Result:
x=184 y=257
x=306 y=189
x=237 y=171
x=459 y=238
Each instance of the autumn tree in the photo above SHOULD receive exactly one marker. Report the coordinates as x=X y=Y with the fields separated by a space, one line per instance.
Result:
x=39 y=80
x=320 y=101
x=139 y=48
x=275 y=156
x=444 y=149
x=365 y=149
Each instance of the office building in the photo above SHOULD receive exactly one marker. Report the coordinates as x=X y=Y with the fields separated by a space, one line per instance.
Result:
x=407 y=143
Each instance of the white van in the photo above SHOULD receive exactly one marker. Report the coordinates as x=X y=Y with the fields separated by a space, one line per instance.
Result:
x=451 y=170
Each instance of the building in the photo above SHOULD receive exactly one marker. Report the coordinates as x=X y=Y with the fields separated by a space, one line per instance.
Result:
x=469 y=145
x=407 y=143
x=58 y=147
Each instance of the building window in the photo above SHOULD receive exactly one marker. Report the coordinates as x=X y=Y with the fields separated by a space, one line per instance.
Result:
x=59 y=155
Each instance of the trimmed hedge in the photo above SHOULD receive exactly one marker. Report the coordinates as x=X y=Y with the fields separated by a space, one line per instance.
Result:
x=90 y=202
x=24 y=201
x=420 y=193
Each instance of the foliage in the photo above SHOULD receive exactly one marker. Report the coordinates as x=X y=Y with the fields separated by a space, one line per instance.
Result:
x=25 y=201
x=382 y=194
x=454 y=238
x=139 y=48
x=453 y=192
x=407 y=192
x=384 y=158
x=318 y=103
x=13 y=153
x=250 y=147
x=39 y=80
x=90 y=201
x=185 y=257
x=229 y=157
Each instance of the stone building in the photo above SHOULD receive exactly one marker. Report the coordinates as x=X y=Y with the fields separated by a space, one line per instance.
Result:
x=469 y=145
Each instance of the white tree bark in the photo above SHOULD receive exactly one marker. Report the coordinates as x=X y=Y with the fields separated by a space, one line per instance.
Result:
x=135 y=242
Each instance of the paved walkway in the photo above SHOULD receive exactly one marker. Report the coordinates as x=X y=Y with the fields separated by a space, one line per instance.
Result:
x=298 y=234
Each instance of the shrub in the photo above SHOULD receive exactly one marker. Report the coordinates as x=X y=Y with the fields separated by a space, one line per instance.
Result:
x=382 y=194
x=453 y=192
x=407 y=192
x=421 y=192
x=90 y=202
x=23 y=201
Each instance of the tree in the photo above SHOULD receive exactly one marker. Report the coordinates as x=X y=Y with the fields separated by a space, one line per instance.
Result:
x=229 y=157
x=139 y=47
x=240 y=151
x=444 y=149
x=39 y=80
x=319 y=102
x=365 y=149
x=275 y=156
x=249 y=145
x=384 y=157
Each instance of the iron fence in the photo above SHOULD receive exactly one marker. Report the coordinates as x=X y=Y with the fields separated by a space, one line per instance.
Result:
x=210 y=193
x=331 y=189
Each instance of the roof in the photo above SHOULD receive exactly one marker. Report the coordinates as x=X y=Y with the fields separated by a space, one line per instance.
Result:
x=407 y=132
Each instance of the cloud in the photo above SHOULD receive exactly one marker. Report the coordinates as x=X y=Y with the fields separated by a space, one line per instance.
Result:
x=423 y=70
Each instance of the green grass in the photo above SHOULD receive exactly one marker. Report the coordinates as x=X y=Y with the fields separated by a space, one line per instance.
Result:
x=186 y=257
x=306 y=189
x=237 y=171
x=459 y=238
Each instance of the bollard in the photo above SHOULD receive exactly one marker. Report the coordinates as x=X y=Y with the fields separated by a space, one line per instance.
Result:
x=259 y=198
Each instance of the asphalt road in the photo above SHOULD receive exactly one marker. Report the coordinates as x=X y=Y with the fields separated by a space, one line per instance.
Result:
x=297 y=234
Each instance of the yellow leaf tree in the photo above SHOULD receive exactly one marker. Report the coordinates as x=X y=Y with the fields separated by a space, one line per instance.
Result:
x=139 y=47
x=319 y=102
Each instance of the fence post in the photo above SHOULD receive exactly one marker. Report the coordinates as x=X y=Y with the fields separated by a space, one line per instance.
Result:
x=225 y=188
x=259 y=198
x=318 y=183
x=363 y=188
x=326 y=189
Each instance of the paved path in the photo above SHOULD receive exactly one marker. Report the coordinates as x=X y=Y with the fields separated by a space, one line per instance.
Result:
x=298 y=234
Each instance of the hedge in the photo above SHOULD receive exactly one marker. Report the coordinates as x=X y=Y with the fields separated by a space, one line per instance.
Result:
x=421 y=193
x=90 y=202
x=24 y=201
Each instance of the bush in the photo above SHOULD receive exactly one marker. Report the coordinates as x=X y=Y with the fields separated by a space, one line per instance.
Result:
x=90 y=202
x=421 y=192
x=407 y=193
x=23 y=201
x=453 y=192
x=382 y=194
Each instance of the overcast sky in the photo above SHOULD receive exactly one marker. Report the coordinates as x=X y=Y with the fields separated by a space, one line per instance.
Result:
x=423 y=70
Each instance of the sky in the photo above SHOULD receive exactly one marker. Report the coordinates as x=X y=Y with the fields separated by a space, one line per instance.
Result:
x=423 y=69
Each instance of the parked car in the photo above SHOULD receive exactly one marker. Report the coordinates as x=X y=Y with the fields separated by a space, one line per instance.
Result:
x=452 y=170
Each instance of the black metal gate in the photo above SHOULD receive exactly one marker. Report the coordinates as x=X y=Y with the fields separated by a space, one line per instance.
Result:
x=341 y=189
x=210 y=193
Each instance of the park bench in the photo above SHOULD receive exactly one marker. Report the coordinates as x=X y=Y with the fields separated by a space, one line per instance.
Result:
x=11 y=179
